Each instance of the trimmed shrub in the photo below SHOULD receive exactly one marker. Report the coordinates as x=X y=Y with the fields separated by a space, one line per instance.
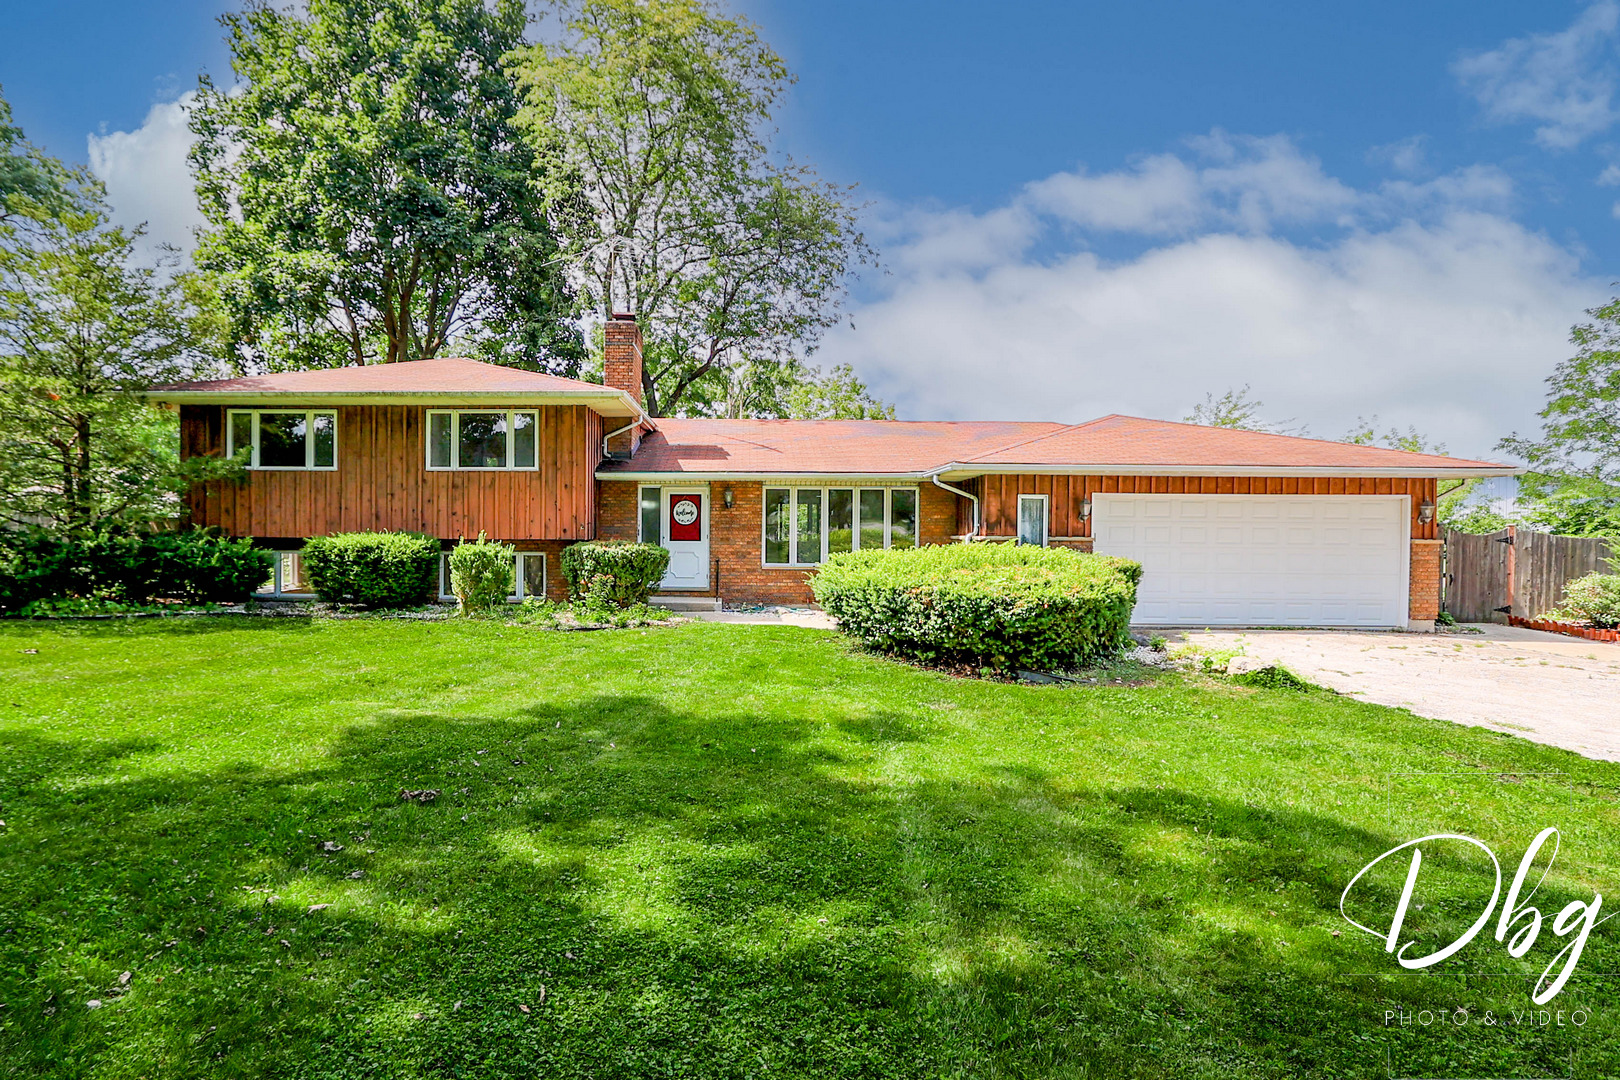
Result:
x=996 y=605
x=1593 y=599
x=373 y=569
x=482 y=573
x=199 y=565
x=613 y=572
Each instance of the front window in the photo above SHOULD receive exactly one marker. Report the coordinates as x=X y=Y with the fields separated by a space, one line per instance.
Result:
x=803 y=526
x=482 y=439
x=284 y=439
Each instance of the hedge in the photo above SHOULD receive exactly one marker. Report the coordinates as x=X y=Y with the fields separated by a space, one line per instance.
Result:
x=199 y=565
x=483 y=573
x=373 y=569
x=613 y=571
x=1003 y=606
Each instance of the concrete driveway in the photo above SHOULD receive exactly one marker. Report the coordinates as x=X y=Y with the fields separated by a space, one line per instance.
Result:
x=1554 y=689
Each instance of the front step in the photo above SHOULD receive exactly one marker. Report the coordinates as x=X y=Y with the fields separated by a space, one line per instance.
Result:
x=677 y=602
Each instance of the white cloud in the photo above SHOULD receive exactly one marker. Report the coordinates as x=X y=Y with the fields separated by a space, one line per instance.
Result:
x=1425 y=303
x=1565 y=82
x=146 y=175
x=1408 y=156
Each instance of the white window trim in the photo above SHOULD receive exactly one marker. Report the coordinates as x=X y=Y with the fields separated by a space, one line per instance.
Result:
x=1046 y=519
x=855 y=538
x=519 y=580
x=309 y=440
x=455 y=441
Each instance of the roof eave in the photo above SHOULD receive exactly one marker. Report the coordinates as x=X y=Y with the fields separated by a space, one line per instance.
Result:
x=657 y=476
x=607 y=403
x=958 y=470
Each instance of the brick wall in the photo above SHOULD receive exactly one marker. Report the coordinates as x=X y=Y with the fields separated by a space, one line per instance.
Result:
x=736 y=536
x=1425 y=581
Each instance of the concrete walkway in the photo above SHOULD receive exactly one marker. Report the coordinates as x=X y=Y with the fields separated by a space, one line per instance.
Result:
x=814 y=618
x=1553 y=689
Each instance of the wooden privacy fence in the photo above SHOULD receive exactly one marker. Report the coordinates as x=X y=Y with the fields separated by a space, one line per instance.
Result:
x=1517 y=571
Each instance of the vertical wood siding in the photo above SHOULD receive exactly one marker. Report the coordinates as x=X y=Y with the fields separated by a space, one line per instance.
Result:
x=999 y=494
x=382 y=482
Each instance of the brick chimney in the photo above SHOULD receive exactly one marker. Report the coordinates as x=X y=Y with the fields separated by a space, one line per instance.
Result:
x=621 y=369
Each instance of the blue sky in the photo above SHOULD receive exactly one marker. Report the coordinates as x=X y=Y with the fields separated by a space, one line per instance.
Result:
x=1386 y=208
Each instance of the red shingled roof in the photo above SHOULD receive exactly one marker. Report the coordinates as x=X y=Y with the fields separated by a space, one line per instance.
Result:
x=442 y=377
x=896 y=448
x=807 y=447
x=1131 y=440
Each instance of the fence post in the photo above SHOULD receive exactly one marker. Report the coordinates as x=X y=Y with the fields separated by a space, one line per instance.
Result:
x=1512 y=566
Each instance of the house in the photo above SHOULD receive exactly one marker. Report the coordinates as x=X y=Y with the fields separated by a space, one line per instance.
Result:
x=1233 y=528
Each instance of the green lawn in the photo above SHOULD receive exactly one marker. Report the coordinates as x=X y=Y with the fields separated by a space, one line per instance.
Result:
x=719 y=851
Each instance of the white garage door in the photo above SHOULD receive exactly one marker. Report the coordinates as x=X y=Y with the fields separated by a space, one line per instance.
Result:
x=1278 y=560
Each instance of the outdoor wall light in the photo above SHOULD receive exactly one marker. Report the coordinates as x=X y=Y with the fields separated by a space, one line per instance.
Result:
x=1425 y=512
x=728 y=497
x=1085 y=507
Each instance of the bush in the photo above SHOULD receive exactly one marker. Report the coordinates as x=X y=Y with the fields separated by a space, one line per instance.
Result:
x=373 y=569
x=199 y=566
x=129 y=568
x=615 y=573
x=1593 y=599
x=482 y=573
x=995 y=605
x=1271 y=677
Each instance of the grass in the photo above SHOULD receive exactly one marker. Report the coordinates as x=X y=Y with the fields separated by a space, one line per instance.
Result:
x=736 y=851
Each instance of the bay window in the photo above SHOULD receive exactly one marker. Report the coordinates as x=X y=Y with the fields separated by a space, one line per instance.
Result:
x=283 y=438
x=482 y=439
x=803 y=526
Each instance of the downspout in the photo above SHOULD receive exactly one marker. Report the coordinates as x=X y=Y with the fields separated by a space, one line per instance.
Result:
x=641 y=417
x=632 y=425
x=969 y=496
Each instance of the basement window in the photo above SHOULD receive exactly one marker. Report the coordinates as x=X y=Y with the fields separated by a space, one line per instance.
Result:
x=529 y=576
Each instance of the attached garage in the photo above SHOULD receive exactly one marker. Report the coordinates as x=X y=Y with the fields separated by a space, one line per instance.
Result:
x=1262 y=560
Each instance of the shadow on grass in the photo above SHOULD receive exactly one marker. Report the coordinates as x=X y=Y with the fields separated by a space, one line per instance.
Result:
x=670 y=894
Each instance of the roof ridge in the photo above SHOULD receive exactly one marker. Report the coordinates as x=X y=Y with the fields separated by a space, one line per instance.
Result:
x=1062 y=429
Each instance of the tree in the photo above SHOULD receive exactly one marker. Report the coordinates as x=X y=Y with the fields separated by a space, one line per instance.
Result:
x=834 y=394
x=1573 y=486
x=32 y=185
x=82 y=328
x=649 y=122
x=367 y=196
x=1235 y=409
x=1365 y=433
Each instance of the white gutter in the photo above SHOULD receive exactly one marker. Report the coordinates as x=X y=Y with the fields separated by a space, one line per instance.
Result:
x=974 y=499
x=1466 y=472
x=771 y=478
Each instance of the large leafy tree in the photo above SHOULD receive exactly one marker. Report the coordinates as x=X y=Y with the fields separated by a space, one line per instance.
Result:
x=650 y=122
x=367 y=195
x=1574 y=482
x=83 y=324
